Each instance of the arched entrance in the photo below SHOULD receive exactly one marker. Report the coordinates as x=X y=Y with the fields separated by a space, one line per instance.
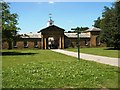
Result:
x=52 y=37
x=53 y=43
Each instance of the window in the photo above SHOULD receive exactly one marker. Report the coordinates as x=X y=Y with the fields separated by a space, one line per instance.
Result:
x=15 y=44
x=25 y=44
x=98 y=41
x=35 y=44
x=86 y=43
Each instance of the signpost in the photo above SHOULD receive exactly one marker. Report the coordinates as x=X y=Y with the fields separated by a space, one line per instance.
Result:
x=78 y=35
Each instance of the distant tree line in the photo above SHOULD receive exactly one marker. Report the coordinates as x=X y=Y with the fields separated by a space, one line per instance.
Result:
x=110 y=25
x=80 y=29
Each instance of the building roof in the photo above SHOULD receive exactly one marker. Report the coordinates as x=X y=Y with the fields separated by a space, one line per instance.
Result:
x=93 y=29
x=31 y=35
x=51 y=28
x=69 y=35
x=74 y=35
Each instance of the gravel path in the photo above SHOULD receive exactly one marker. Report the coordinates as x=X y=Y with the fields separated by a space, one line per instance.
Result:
x=100 y=59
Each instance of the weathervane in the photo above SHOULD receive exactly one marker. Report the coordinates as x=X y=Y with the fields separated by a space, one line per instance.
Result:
x=50 y=16
x=50 y=21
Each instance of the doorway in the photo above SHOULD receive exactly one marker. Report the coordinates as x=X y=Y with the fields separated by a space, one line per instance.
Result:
x=53 y=43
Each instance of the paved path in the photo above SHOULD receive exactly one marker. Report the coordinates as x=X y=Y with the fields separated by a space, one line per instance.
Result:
x=100 y=59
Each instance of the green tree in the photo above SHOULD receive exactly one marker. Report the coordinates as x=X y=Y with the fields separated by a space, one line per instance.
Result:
x=81 y=29
x=107 y=26
x=9 y=24
x=97 y=23
x=117 y=33
x=110 y=25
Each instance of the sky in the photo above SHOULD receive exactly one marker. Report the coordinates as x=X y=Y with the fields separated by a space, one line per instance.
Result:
x=33 y=16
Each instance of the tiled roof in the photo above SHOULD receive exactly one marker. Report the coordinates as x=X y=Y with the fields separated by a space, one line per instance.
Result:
x=31 y=35
x=74 y=35
x=93 y=29
x=69 y=35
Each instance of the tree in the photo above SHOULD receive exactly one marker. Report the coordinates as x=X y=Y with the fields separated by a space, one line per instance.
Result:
x=81 y=29
x=110 y=25
x=117 y=34
x=97 y=23
x=9 y=24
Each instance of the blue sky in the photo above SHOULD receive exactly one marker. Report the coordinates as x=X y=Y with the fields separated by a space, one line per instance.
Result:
x=33 y=16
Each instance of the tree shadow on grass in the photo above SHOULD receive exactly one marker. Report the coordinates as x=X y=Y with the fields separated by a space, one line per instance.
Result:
x=110 y=48
x=15 y=53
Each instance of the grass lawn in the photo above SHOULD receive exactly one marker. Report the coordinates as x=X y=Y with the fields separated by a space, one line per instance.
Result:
x=47 y=69
x=102 y=51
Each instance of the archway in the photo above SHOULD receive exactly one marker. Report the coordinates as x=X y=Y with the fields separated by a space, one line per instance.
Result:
x=53 y=43
x=52 y=37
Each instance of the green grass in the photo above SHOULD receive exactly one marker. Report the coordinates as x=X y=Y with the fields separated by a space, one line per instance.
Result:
x=47 y=69
x=102 y=51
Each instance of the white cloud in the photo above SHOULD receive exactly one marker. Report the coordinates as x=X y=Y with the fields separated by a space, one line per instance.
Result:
x=51 y=2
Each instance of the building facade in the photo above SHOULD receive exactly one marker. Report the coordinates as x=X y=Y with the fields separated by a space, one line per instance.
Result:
x=54 y=37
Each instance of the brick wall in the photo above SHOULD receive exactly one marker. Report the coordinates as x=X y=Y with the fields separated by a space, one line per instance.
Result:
x=20 y=44
x=30 y=44
x=4 y=45
x=39 y=44
x=93 y=41
x=84 y=42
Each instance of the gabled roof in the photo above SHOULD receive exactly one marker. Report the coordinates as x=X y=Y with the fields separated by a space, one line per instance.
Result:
x=51 y=28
